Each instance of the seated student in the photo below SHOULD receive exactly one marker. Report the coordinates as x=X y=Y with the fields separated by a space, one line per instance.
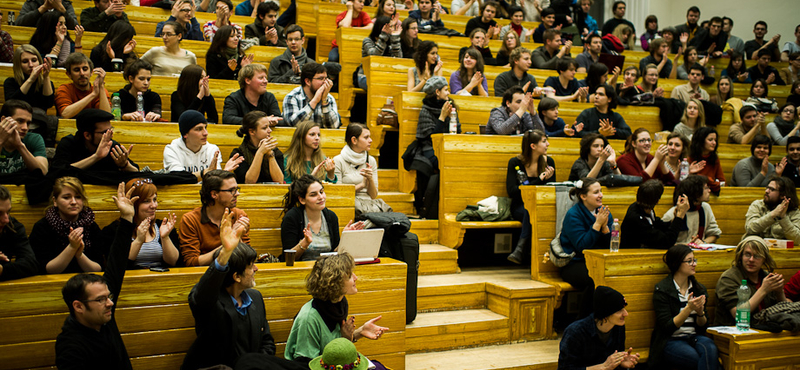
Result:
x=756 y=170
x=789 y=166
x=305 y=156
x=701 y=225
x=355 y=166
x=353 y=17
x=680 y=303
x=690 y=58
x=791 y=73
x=14 y=244
x=264 y=27
x=637 y=160
x=658 y=56
x=548 y=21
x=586 y=226
x=547 y=55
x=677 y=150
x=428 y=16
x=285 y=68
x=118 y=43
x=752 y=124
x=325 y=318
x=517 y=15
x=520 y=60
x=20 y=150
x=263 y=161
x=554 y=126
x=628 y=89
x=200 y=228
x=601 y=118
x=650 y=81
x=514 y=116
x=138 y=76
x=736 y=70
x=183 y=13
x=247 y=8
x=31 y=80
x=192 y=152
x=538 y=169
x=510 y=42
x=409 y=42
x=51 y=38
x=102 y=15
x=225 y=56
x=170 y=59
x=759 y=97
x=427 y=64
x=308 y=227
x=585 y=23
x=776 y=215
x=74 y=97
x=224 y=9
x=784 y=125
x=66 y=239
x=312 y=100
x=754 y=264
x=711 y=41
x=641 y=228
x=596 y=77
x=468 y=79
x=580 y=347
x=92 y=147
x=724 y=91
x=593 y=46
x=565 y=85
x=485 y=21
x=193 y=93
x=33 y=10
x=153 y=241
x=694 y=117
x=252 y=95
x=703 y=150
x=479 y=42
x=762 y=69
x=383 y=40
x=597 y=158
x=692 y=89
x=621 y=39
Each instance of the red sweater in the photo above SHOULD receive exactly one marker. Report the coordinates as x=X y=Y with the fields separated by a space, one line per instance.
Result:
x=712 y=172
x=629 y=165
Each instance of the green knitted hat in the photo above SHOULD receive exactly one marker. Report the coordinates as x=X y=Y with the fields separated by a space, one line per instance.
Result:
x=339 y=354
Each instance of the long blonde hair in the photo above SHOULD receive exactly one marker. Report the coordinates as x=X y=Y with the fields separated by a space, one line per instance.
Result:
x=625 y=29
x=701 y=114
x=19 y=76
x=296 y=155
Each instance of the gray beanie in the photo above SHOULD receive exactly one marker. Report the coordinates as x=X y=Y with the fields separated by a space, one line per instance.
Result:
x=434 y=83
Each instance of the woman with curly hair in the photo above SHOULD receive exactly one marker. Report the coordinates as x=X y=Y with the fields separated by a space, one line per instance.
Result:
x=325 y=317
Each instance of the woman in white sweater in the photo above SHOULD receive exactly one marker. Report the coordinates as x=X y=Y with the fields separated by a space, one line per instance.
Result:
x=355 y=166
x=170 y=59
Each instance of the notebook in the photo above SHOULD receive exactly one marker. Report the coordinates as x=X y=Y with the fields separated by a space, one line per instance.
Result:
x=363 y=245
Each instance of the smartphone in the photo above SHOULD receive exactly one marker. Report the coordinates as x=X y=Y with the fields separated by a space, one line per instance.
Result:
x=159 y=269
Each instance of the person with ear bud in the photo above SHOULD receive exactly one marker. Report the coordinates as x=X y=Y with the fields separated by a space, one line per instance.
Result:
x=355 y=166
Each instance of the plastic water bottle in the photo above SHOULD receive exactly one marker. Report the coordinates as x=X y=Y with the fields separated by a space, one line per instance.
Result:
x=453 y=121
x=140 y=104
x=711 y=71
x=684 y=169
x=116 y=106
x=743 y=307
x=615 y=236
x=12 y=19
x=522 y=177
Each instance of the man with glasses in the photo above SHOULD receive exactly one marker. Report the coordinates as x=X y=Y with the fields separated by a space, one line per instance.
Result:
x=691 y=90
x=776 y=216
x=752 y=47
x=199 y=231
x=312 y=101
x=102 y=15
x=90 y=337
x=286 y=67
x=92 y=148
x=183 y=13
x=192 y=152
x=73 y=97
x=711 y=41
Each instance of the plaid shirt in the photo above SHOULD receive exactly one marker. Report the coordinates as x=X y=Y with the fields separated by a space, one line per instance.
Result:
x=296 y=110
x=6 y=47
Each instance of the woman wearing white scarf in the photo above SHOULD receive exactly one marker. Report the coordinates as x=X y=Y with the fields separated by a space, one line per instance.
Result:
x=355 y=166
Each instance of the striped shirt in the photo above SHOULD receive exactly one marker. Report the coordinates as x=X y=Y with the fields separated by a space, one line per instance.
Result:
x=689 y=326
x=150 y=254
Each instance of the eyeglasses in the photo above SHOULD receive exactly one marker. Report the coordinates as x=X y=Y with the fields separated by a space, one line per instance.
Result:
x=787 y=110
x=104 y=131
x=320 y=78
x=100 y=300
x=748 y=255
x=232 y=190
x=692 y=261
x=168 y=34
x=294 y=39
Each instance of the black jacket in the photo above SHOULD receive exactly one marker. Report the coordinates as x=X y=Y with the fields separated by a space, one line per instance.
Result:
x=79 y=347
x=237 y=105
x=208 y=106
x=71 y=149
x=214 y=315
x=256 y=29
x=217 y=67
x=47 y=244
x=637 y=232
x=14 y=244
x=667 y=305
x=293 y=224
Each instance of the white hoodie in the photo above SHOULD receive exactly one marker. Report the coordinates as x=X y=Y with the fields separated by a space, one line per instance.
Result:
x=177 y=157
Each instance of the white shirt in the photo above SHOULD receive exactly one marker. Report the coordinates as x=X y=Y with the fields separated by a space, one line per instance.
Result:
x=177 y=157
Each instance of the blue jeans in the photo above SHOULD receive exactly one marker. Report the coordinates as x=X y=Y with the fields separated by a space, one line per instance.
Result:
x=686 y=353
x=333 y=55
x=520 y=214
x=362 y=82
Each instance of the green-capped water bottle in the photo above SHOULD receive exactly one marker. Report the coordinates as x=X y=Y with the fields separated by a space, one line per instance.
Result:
x=743 y=307
x=116 y=106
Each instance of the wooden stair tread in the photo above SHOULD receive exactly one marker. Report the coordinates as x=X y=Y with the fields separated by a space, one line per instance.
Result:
x=436 y=252
x=475 y=276
x=395 y=196
x=432 y=319
x=530 y=355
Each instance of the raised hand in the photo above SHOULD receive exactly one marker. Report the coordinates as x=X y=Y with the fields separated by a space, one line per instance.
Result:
x=601 y=217
x=129 y=47
x=79 y=33
x=229 y=235
x=121 y=155
x=124 y=201
x=684 y=38
x=354 y=226
x=661 y=152
x=696 y=167
x=233 y=163
x=247 y=59
x=308 y=237
x=141 y=230
x=110 y=51
x=214 y=161
x=167 y=225
x=105 y=145
x=781 y=166
x=446 y=107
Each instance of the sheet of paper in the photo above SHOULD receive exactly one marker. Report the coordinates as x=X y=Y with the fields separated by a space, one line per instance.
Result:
x=731 y=330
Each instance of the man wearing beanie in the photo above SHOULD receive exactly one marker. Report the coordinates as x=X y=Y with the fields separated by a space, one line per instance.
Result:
x=92 y=148
x=192 y=152
x=598 y=339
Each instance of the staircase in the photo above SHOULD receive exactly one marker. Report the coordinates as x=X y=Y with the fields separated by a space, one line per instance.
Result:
x=480 y=318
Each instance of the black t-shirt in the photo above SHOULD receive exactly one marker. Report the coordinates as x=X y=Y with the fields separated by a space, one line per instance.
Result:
x=264 y=176
x=71 y=149
x=477 y=22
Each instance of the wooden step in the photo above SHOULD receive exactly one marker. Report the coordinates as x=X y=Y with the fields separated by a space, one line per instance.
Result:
x=436 y=331
x=426 y=230
x=400 y=202
x=539 y=355
x=437 y=259
x=387 y=180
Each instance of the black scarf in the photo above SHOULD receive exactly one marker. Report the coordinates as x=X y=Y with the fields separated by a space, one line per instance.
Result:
x=331 y=313
x=783 y=126
x=249 y=153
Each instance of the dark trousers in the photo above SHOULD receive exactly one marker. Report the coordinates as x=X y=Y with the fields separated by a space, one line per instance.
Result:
x=576 y=274
x=519 y=213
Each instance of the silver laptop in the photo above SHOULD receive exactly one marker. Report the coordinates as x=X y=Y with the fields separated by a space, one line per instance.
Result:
x=363 y=245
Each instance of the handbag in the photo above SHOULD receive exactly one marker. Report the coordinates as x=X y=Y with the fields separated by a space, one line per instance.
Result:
x=615 y=180
x=387 y=115
x=557 y=255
